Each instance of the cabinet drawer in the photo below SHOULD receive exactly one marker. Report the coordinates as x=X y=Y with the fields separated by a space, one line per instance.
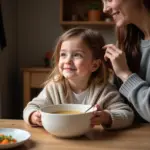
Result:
x=37 y=79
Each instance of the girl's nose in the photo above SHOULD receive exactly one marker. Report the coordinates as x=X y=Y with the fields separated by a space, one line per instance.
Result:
x=68 y=59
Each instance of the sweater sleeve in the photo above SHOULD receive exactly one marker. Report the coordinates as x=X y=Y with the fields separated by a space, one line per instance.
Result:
x=122 y=115
x=40 y=101
x=137 y=91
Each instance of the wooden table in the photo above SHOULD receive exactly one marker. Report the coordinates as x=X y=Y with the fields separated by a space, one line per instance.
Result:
x=135 y=138
x=33 y=78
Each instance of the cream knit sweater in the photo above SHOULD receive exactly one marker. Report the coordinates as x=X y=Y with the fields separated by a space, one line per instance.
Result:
x=105 y=95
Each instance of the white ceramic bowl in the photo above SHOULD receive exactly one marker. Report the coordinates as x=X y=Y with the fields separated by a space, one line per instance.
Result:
x=20 y=135
x=66 y=125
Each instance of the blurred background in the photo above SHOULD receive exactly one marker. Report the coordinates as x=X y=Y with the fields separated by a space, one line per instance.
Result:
x=31 y=28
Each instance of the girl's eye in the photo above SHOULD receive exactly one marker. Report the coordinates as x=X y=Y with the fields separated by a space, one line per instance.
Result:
x=62 y=54
x=78 y=55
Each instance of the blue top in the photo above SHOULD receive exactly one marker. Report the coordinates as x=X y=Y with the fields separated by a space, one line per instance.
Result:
x=137 y=88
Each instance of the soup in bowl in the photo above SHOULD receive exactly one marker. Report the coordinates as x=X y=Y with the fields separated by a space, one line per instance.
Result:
x=66 y=120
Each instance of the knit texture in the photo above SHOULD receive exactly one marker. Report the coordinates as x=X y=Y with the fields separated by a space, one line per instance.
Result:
x=137 y=87
x=105 y=95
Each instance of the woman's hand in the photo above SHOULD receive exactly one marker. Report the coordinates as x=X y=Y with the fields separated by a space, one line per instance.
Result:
x=101 y=117
x=35 y=118
x=118 y=61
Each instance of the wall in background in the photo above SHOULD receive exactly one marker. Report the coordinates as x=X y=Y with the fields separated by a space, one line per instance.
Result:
x=32 y=27
x=38 y=29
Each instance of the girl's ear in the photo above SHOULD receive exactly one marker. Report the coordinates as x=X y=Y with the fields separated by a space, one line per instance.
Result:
x=96 y=65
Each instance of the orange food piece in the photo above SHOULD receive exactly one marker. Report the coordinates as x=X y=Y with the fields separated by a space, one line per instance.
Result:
x=5 y=141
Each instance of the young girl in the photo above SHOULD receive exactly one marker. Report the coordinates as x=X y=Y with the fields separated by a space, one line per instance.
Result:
x=80 y=76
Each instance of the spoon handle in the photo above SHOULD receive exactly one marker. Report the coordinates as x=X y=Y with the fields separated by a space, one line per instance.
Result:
x=89 y=108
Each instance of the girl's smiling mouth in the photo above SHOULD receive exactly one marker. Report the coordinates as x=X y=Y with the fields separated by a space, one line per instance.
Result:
x=69 y=69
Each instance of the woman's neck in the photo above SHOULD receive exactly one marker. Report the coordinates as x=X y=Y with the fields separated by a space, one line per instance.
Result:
x=143 y=23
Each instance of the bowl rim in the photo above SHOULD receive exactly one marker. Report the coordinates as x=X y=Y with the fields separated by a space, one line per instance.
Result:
x=82 y=113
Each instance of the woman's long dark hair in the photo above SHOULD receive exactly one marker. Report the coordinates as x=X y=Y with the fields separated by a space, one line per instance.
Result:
x=129 y=38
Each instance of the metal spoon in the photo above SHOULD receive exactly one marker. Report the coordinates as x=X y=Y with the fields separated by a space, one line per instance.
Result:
x=89 y=108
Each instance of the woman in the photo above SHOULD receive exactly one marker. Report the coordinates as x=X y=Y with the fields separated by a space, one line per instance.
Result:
x=130 y=59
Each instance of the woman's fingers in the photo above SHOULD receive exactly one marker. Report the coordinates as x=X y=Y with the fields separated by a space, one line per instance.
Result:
x=109 y=53
x=112 y=47
x=112 y=52
x=118 y=61
x=109 y=56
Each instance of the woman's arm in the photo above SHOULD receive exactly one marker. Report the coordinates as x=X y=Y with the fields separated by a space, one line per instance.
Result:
x=137 y=91
x=134 y=88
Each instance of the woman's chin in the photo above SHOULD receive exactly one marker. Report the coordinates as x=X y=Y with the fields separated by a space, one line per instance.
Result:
x=120 y=24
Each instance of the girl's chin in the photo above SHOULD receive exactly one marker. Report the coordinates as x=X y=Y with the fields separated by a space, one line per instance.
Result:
x=68 y=76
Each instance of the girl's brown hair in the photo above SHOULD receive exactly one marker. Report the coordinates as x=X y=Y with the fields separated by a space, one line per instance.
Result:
x=129 y=38
x=93 y=39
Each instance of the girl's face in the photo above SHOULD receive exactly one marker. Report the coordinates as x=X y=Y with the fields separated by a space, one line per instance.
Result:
x=75 y=61
x=122 y=11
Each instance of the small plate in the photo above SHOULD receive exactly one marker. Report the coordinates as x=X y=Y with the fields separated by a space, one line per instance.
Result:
x=20 y=135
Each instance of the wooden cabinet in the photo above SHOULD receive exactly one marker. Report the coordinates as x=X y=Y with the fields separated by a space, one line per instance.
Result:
x=75 y=12
x=33 y=78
